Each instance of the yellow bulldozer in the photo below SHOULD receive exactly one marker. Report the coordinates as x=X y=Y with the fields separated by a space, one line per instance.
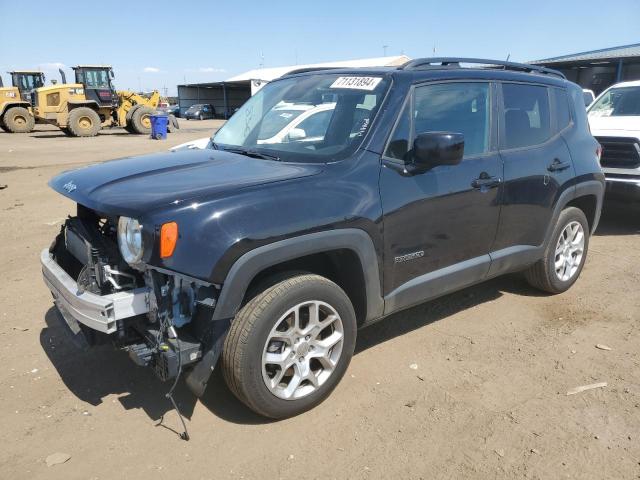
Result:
x=15 y=102
x=82 y=108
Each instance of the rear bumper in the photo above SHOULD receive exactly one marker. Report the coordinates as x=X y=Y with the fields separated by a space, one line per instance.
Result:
x=623 y=187
x=99 y=312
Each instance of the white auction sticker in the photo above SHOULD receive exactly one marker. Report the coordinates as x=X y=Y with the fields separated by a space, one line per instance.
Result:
x=356 y=83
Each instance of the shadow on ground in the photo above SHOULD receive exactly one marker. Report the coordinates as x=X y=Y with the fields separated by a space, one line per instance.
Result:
x=49 y=134
x=101 y=371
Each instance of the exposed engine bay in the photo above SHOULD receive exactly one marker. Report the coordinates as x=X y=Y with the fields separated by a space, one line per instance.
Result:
x=176 y=329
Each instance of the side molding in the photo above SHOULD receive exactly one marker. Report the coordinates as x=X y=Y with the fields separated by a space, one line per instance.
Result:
x=255 y=261
x=437 y=283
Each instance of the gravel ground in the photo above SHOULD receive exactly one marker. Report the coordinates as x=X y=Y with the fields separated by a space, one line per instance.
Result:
x=488 y=398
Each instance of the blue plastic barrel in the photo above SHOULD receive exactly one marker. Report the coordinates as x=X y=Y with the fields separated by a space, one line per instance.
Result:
x=159 y=124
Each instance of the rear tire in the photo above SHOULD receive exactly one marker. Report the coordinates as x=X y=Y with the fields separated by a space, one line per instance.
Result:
x=316 y=354
x=141 y=120
x=84 y=122
x=565 y=254
x=18 y=120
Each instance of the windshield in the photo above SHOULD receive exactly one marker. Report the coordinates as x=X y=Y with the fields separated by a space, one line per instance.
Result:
x=617 y=102
x=194 y=108
x=93 y=78
x=313 y=118
x=28 y=81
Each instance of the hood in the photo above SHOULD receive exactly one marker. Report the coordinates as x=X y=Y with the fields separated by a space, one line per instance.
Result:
x=624 y=123
x=137 y=185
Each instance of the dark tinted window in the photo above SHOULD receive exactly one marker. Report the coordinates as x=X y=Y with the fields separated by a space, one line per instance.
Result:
x=455 y=107
x=398 y=146
x=96 y=78
x=563 y=114
x=526 y=115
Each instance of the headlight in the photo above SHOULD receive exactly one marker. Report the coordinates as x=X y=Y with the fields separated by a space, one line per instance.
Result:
x=130 y=239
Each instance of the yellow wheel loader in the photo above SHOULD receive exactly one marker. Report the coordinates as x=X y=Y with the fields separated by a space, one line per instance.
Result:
x=15 y=101
x=82 y=108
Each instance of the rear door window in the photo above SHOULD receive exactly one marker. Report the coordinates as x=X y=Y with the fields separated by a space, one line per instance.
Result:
x=526 y=117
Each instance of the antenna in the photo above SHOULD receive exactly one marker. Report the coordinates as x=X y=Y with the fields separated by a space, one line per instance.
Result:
x=507 y=58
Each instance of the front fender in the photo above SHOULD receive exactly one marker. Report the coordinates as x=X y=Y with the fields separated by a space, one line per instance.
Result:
x=255 y=261
x=6 y=106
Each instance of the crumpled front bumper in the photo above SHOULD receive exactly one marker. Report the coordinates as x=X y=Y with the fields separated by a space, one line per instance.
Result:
x=99 y=312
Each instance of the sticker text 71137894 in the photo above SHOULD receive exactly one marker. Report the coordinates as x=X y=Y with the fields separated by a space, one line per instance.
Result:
x=356 y=83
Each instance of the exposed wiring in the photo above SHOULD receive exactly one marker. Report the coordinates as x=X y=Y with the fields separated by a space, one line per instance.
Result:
x=184 y=435
x=166 y=325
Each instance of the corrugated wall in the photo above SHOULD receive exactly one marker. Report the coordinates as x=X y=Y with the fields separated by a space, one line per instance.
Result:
x=215 y=95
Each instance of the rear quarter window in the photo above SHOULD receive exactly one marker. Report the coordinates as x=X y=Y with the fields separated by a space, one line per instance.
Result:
x=526 y=116
x=562 y=109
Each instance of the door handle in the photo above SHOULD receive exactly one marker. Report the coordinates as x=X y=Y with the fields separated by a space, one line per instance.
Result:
x=485 y=181
x=558 y=166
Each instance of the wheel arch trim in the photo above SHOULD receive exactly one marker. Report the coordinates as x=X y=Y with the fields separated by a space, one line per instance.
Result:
x=89 y=104
x=588 y=187
x=253 y=262
x=8 y=105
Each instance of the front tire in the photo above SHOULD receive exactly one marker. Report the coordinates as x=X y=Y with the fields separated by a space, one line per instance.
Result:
x=18 y=120
x=141 y=120
x=289 y=346
x=565 y=254
x=84 y=122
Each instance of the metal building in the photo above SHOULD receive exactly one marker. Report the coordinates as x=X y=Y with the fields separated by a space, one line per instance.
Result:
x=598 y=69
x=229 y=95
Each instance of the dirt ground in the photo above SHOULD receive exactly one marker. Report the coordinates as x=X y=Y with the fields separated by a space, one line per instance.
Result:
x=487 y=400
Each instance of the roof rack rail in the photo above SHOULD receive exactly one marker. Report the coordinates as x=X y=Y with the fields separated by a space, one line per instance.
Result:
x=310 y=69
x=454 y=62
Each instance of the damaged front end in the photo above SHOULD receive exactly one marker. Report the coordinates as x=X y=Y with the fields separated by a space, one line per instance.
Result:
x=161 y=318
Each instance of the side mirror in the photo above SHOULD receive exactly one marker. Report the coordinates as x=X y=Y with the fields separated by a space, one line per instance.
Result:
x=111 y=74
x=431 y=149
x=296 y=134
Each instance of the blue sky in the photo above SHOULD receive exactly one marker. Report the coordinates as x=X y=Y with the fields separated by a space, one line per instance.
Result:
x=158 y=44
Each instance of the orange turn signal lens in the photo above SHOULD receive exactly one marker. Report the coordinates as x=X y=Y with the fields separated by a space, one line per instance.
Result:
x=168 y=239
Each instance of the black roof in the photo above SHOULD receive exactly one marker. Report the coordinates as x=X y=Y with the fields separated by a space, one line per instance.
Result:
x=453 y=68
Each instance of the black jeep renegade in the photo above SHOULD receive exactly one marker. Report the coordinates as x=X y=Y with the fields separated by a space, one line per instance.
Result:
x=330 y=200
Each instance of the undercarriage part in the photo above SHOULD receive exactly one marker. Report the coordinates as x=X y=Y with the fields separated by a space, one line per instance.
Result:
x=199 y=375
x=141 y=354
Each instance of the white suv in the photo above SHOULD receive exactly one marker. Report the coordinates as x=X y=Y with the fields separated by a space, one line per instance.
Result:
x=614 y=118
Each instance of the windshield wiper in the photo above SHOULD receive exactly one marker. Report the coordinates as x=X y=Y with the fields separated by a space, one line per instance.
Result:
x=252 y=153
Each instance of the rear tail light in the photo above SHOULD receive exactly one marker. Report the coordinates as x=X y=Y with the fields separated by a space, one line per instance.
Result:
x=599 y=152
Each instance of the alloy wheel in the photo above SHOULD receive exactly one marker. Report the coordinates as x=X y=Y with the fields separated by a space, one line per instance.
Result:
x=569 y=251
x=302 y=350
